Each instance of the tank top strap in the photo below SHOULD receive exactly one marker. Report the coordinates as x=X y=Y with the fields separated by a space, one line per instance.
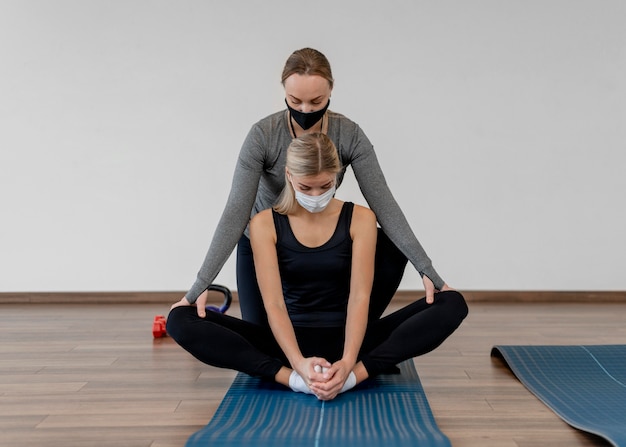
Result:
x=283 y=229
x=285 y=235
x=345 y=220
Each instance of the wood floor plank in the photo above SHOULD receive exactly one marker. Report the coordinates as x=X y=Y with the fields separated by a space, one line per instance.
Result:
x=92 y=375
x=8 y=389
x=122 y=419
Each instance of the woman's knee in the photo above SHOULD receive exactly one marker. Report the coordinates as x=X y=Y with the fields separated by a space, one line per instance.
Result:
x=177 y=325
x=455 y=304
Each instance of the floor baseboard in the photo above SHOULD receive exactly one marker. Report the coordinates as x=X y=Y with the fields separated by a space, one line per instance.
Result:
x=490 y=296
x=527 y=296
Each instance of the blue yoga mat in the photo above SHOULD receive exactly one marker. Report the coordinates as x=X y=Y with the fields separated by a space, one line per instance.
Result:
x=390 y=410
x=584 y=385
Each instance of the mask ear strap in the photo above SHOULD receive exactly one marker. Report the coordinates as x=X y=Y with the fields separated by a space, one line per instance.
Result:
x=293 y=129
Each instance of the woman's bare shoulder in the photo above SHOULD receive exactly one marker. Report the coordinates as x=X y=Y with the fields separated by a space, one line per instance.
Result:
x=363 y=221
x=262 y=218
x=363 y=213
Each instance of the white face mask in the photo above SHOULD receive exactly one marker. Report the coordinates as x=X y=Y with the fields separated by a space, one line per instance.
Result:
x=315 y=204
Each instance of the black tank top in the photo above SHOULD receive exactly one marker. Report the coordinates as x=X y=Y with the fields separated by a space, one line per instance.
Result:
x=316 y=281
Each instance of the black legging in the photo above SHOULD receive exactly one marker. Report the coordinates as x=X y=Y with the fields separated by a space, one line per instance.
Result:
x=388 y=271
x=228 y=342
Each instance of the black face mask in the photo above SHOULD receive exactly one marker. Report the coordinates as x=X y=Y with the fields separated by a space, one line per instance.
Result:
x=307 y=120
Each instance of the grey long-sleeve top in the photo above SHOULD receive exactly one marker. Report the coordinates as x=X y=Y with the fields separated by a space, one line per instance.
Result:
x=260 y=176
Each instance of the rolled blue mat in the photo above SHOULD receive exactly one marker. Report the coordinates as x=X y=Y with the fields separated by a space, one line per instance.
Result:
x=389 y=411
x=584 y=385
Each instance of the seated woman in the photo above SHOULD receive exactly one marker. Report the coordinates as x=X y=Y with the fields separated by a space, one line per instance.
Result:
x=314 y=260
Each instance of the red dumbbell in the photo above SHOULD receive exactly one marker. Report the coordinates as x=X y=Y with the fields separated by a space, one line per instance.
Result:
x=158 y=327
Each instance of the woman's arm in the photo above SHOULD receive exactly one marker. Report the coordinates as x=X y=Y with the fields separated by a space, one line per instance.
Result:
x=263 y=240
x=235 y=216
x=363 y=232
x=375 y=190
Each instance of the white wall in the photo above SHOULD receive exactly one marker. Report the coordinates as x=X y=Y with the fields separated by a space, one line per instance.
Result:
x=500 y=125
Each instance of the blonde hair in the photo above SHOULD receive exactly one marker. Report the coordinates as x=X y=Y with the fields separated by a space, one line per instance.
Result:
x=308 y=61
x=308 y=155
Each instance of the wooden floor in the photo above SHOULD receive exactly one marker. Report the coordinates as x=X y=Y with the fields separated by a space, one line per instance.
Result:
x=92 y=375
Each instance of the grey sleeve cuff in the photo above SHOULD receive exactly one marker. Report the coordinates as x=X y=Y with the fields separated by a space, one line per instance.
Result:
x=433 y=276
x=196 y=290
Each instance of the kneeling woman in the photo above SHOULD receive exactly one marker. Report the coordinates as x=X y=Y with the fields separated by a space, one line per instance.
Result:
x=314 y=260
